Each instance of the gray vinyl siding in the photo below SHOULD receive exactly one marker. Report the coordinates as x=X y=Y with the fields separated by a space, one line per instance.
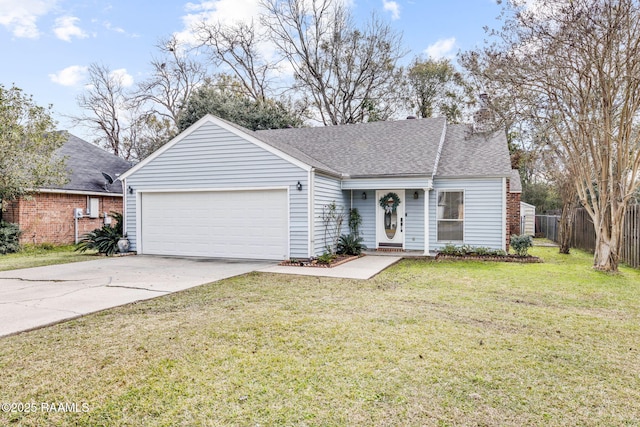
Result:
x=483 y=211
x=414 y=221
x=327 y=190
x=214 y=158
x=367 y=210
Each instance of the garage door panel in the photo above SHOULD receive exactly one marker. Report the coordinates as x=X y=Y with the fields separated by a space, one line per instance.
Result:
x=235 y=224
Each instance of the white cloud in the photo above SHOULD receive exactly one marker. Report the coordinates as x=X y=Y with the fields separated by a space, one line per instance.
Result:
x=393 y=7
x=109 y=26
x=442 y=48
x=70 y=76
x=213 y=11
x=121 y=75
x=66 y=28
x=21 y=16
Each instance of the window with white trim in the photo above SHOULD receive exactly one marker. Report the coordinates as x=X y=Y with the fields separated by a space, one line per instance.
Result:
x=451 y=216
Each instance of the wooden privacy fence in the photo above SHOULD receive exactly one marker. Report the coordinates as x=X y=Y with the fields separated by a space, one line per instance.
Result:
x=584 y=234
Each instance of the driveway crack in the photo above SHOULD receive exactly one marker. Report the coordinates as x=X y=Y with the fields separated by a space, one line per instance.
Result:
x=21 y=279
x=137 y=288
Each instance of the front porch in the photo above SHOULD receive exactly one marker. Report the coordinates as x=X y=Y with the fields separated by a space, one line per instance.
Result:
x=400 y=227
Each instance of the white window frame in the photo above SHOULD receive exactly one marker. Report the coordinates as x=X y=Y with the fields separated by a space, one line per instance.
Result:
x=464 y=214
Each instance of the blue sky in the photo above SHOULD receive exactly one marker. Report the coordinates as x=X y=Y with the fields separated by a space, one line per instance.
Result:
x=48 y=44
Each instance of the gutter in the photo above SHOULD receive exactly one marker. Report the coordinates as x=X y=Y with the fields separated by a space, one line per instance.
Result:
x=78 y=192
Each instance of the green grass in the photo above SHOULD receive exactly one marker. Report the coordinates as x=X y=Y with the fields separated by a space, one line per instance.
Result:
x=423 y=343
x=37 y=256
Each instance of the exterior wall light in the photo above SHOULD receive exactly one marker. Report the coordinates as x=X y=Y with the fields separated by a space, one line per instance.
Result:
x=299 y=186
x=130 y=189
x=415 y=195
x=364 y=195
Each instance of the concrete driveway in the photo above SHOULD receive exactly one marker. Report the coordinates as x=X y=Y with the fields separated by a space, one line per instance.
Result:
x=36 y=297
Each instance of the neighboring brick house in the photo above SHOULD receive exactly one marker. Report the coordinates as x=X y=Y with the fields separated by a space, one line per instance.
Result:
x=47 y=215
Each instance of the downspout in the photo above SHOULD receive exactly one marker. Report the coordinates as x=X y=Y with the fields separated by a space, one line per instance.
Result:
x=124 y=207
x=504 y=214
x=427 y=192
x=311 y=209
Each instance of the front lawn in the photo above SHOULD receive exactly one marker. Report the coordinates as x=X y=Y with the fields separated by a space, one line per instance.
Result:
x=423 y=343
x=37 y=256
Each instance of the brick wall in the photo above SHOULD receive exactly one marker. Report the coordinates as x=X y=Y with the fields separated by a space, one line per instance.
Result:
x=513 y=214
x=48 y=217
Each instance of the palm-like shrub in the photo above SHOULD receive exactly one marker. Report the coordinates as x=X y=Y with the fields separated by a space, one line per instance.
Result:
x=350 y=244
x=105 y=239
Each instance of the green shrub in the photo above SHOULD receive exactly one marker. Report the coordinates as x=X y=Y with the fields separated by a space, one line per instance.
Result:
x=482 y=250
x=326 y=258
x=355 y=221
x=105 y=239
x=350 y=244
x=521 y=244
x=118 y=226
x=9 y=237
x=451 y=249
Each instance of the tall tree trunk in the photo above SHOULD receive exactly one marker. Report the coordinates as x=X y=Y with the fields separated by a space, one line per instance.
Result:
x=566 y=227
x=609 y=239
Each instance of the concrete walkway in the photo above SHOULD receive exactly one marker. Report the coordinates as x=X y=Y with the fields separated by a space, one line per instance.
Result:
x=361 y=268
x=36 y=297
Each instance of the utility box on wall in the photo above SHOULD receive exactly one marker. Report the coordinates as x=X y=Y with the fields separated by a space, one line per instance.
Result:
x=93 y=210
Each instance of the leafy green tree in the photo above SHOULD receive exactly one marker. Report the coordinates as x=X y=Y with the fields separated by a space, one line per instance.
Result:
x=28 y=140
x=232 y=105
x=437 y=88
x=542 y=195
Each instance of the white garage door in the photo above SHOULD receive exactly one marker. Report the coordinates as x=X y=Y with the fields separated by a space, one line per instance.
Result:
x=227 y=224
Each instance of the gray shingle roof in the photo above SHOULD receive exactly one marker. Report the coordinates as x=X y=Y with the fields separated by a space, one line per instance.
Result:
x=390 y=148
x=85 y=163
x=474 y=154
x=515 y=184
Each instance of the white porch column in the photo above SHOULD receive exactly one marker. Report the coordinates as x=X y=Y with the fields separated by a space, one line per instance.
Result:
x=426 y=220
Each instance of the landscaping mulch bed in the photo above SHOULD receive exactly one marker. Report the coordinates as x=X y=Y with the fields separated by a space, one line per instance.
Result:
x=341 y=259
x=493 y=258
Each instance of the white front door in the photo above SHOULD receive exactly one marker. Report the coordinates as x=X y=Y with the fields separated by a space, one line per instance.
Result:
x=390 y=218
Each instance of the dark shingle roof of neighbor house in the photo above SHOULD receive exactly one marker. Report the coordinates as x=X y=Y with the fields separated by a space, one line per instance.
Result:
x=394 y=148
x=85 y=163
x=401 y=148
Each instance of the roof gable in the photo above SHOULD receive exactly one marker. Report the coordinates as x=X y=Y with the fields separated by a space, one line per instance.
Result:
x=239 y=131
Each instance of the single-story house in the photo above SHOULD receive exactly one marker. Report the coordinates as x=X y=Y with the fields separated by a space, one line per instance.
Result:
x=48 y=215
x=219 y=190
